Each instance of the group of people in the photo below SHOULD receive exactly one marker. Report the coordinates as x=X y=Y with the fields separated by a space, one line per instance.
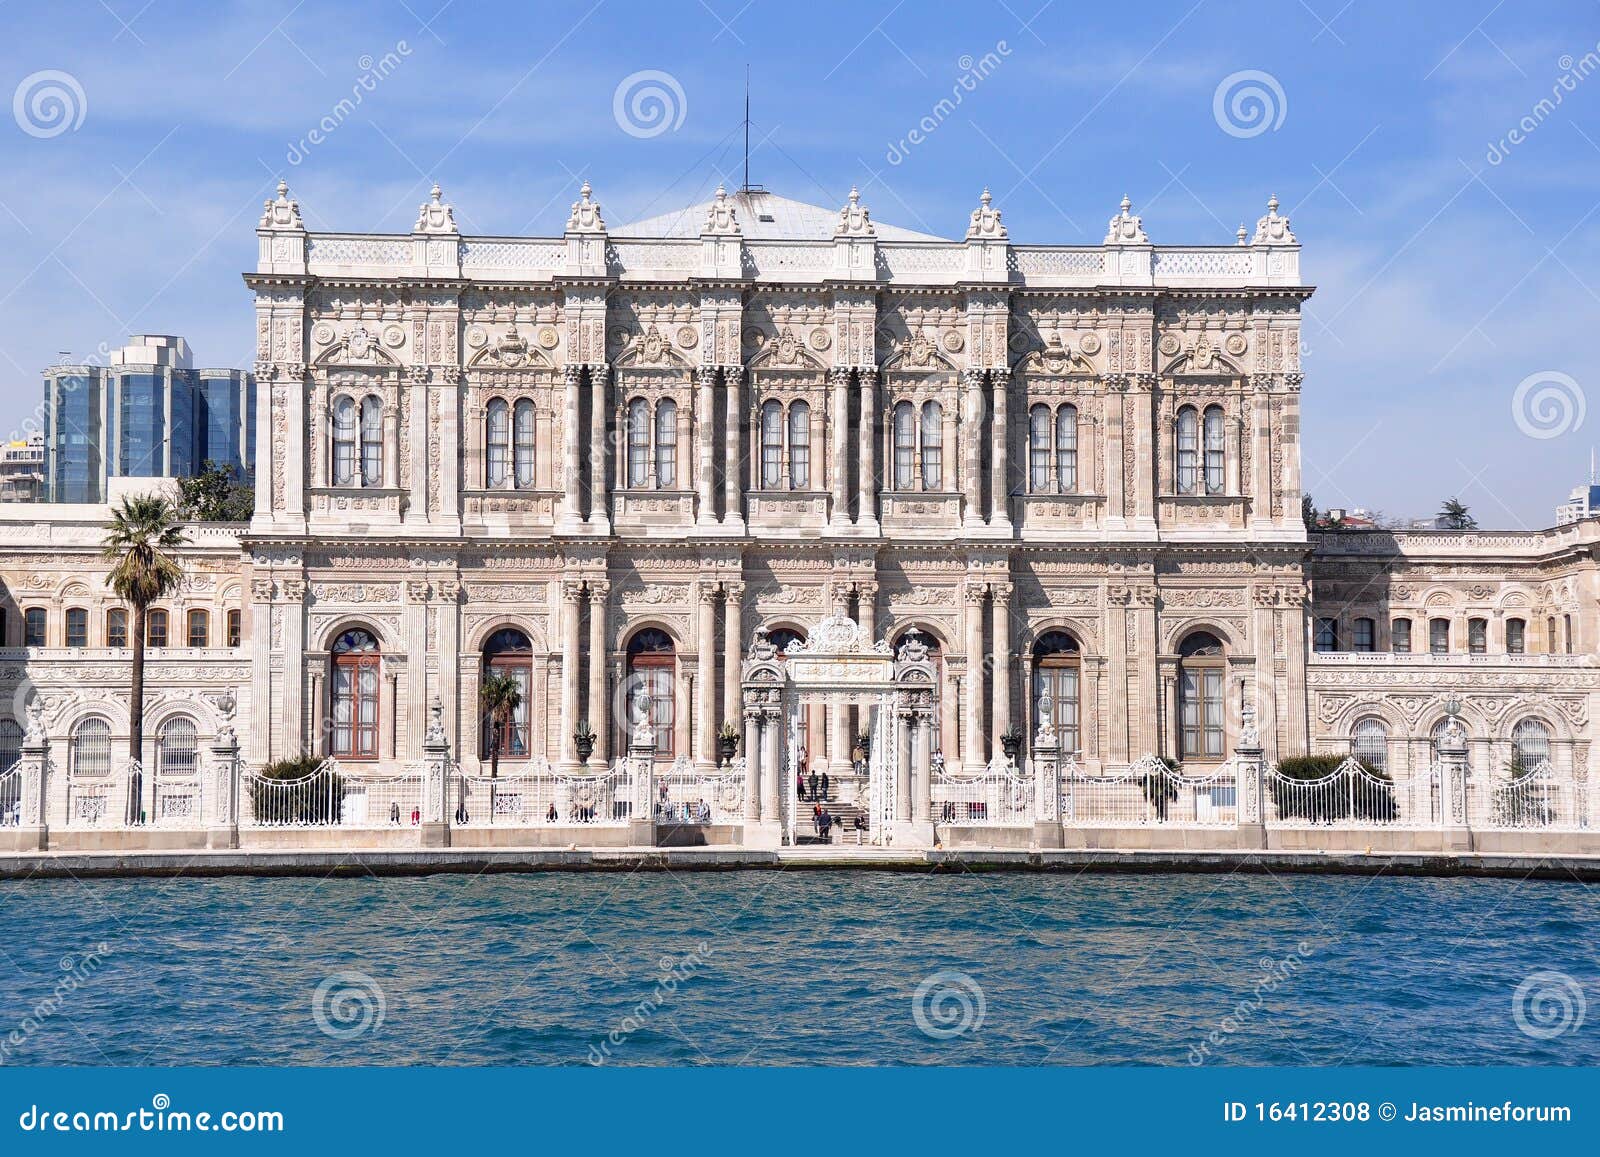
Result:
x=814 y=790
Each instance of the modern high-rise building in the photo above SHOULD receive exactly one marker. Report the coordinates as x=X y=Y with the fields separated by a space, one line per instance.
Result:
x=148 y=414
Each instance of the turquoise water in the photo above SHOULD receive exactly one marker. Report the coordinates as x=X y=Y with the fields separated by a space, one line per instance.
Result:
x=795 y=967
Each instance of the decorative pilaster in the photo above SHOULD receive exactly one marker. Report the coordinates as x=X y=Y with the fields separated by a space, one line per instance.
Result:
x=705 y=744
x=571 y=601
x=839 y=446
x=972 y=729
x=733 y=466
x=866 y=464
x=1000 y=620
x=972 y=407
x=705 y=424
x=732 y=648
x=567 y=517
x=599 y=697
x=1000 y=483
x=599 y=495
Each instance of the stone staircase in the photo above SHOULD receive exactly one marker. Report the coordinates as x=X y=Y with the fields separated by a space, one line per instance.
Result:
x=845 y=815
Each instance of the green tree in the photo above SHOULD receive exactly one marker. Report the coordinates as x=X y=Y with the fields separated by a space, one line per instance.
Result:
x=1454 y=515
x=501 y=696
x=216 y=494
x=1308 y=511
x=144 y=535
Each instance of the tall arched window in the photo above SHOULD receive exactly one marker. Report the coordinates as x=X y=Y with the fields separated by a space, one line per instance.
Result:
x=771 y=445
x=522 y=446
x=1056 y=667
x=199 y=629
x=155 y=627
x=666 y=444
x=905 y=446
x=33 y=627
x=1530 y=744
x=178 y=748
x=509 y=652
x=91 y=747
x=116 y=627
x=1039 y=449
x=638 y=443
x=1369 y=743
x=1200 y=700
x=799 y=446
x=77 y=621
x=371 y=440
x=1216 y=449
x=497 y=443
x=652 y=661
x=932 y=446
x=1188 y=444
x=355 y=695
x=344 y=441
x=1066 y=449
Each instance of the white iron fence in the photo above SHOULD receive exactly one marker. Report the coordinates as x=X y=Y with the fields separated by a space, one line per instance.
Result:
x=1518 y=798
x=685 y=795
x=1352 y=795
x=11 y=798
x=331 y=796
x=540 y=795
x=1000 y=796
x=1149 y=792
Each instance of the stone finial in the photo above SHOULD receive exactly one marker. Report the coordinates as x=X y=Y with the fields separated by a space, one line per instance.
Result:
x=1273 y=229
x=586 y=213
x=721 y=219
x=1241 y=234
x=985 y=221
x=435 y=216
x=855 y=219
x=282 y=213
x=1249 y=733
x=1125 y=228
x=34 y=735
x=435 y=736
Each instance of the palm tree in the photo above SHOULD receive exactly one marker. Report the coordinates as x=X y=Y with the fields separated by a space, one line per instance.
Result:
x=501 y=696
x=145 y=532
x=1454 y=515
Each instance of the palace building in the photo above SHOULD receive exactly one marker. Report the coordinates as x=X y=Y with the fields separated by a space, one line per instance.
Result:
x=617 y=463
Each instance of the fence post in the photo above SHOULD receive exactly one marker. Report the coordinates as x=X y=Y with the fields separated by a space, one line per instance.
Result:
x=33 y=829
x=222 y=802
x=1250 y=782
x=642 y=764
x=1453 y=781
x=1046 y=788
x=435 y=780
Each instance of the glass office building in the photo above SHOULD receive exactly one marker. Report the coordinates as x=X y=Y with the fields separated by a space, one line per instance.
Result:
x=148 y=414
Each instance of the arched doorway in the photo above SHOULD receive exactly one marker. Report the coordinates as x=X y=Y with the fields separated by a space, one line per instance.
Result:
x=356 y=666
x=813 y=726
x=1201 y=706
x=652 y=669
x=936 y=657
x=508 y=652
x=1057 y=676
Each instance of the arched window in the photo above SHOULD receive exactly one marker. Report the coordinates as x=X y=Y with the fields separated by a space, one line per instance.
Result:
x=77 y=627
x=783 y=637
x=1364 y=636
x=1056 y=668
x=1530 y=744
x=371 y=440
x=116 y=627
x=1188 y=444
x=177 y=747
x=1216 y=449
x=799 y=446
x=497 y=442
x=1039 y=449
x=91 y=747
x=155 y=628
x=638 y=443
x=509 y=652
x=652 y=661
x=1477 y=636
x=932 y=446
x=905 y=446
x=522 y=446
x=235 y=627
x=1066 y=449
x=1200 y=702
x=10 y=745
x=33 y=627
x=1439 y=636
x=355 y=695
x=1516 y=636
x=199 y=629
x=666 y=444
x=344 y=441
x=771 y=445
x=1369 y=743
x=1400 y=636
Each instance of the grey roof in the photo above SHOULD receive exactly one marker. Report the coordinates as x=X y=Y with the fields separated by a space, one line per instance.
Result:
x=763 y=216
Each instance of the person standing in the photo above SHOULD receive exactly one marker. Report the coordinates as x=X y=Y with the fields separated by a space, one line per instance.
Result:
x=824 y=785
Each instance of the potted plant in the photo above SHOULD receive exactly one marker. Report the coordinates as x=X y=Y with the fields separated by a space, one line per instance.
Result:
x=727 y=741
x=583 y=741
x=1011 y=743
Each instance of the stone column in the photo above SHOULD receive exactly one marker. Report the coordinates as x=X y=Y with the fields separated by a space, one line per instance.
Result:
x=705 y=752
x=571 y=594
x=319 y=715
x=1453 y=784
x=386 y=711
x=839 y=447
x=867 y=480
x=1047 y=820
x=754 y=787
x=435 y=780
x=733 y=466
x=972 y=729
x=33 y=827
x=772 y=769
x=1250 y=773
x=905 y=724
x=705 y=425
x=391 y=445
x=972 y=445
x=1001 y=618
x=599 y=648
x=867 y=609
x=922 y=754
x=1000 y=510
x=1113 y=479
x=599 y=494
x=732 y=651
x=571 y=468
x=642 y=763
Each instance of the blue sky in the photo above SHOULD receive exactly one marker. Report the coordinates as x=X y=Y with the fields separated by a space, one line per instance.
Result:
x=1453 y=264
